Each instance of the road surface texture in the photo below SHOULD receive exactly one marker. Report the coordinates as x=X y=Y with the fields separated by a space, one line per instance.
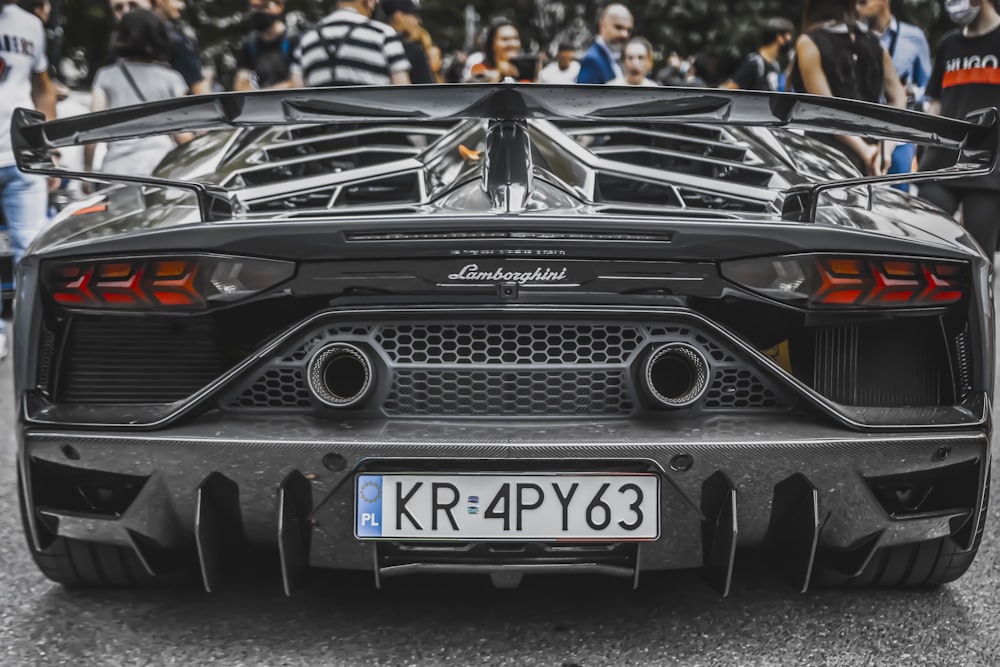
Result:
x=340 y=619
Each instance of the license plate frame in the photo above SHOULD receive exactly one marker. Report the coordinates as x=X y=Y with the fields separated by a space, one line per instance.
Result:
x=631 y=499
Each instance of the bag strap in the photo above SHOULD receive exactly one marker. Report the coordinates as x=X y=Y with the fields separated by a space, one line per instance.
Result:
x=892 y=42
x=131 y=81
x=332 y=52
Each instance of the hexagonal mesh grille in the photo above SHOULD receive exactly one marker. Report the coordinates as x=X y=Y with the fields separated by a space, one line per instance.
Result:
x=508 y=393
x=738 y=389
x=508 y=344
x=489 y=368
x=277 y=388
x=713 y=350
x=303 y=351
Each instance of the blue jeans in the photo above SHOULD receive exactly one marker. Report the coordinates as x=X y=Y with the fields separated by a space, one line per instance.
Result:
x=25 y=201
x=902 y=163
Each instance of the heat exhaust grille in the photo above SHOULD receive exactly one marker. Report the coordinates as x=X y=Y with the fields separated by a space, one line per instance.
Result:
x=135 y=360
x=963 y=363
x=881 y=365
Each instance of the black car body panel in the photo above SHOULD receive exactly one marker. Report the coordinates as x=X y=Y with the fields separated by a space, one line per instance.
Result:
x=463 y=285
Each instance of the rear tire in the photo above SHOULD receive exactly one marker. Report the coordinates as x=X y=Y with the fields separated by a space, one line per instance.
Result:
x=80 y=564
x=920 y=565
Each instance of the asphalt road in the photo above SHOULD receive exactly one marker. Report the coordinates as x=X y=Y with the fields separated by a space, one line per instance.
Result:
x=340 y=619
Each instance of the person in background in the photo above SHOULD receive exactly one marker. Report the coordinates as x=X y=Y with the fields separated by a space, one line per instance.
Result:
x=141 y=44
x=966 y=77
x=265 y=59
x=435 y=59
x=835 y=56
x=119 y=8
x=907 y=46
x=404 y=17
x=348 y=47
x=25 y=83
x=600 y=62
x=184 y=52
x=637 y=63
x=503 y=42
x=40 y=8
x=564 y=69
x=760 y=70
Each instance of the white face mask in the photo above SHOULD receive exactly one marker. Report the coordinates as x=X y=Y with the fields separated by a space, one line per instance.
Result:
x=961 y=11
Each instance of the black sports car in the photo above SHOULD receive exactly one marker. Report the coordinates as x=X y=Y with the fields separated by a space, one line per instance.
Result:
x=505 y=329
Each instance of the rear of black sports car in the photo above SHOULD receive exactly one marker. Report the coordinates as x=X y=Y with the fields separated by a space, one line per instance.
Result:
x=504 y=347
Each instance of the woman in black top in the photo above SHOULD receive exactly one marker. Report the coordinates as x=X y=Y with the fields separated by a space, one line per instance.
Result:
x=838 y=58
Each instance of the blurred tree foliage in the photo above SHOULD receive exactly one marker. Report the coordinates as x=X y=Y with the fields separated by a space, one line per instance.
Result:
x=720 y=31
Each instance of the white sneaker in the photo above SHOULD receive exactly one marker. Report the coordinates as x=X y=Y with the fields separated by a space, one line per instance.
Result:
x=3 y=345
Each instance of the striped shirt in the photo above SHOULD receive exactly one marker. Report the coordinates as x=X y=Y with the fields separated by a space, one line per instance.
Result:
x=357 y=51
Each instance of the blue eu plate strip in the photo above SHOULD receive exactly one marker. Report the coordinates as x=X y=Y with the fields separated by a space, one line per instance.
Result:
x=369 y=504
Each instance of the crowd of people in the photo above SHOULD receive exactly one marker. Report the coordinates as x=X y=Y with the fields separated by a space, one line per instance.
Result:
x=855 y=49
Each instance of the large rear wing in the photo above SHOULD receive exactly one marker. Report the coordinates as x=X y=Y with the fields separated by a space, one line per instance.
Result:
x=976 y=139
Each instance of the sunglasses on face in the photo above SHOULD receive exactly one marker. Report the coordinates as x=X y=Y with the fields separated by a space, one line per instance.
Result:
x=123 y=7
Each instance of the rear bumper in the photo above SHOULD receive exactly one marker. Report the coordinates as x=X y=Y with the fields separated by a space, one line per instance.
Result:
x=214 y=485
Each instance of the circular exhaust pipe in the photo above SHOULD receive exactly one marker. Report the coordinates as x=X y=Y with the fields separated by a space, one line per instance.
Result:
x=340 y=375
x=676 y=374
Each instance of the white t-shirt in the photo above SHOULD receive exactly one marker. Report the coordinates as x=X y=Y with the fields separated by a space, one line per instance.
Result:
x=22 y=55
x=552 y=74
x=140 y=156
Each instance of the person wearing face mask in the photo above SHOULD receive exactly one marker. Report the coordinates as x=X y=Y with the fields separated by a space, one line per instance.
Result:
x=907 y=46
x=966 y=77
x=760 y=70
x=265 y=59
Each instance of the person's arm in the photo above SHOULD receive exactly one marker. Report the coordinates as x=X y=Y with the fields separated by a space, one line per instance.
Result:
x=814 y=79
x=590 y=70
x=748 y=72
x=243 y=80
x=895 y=94
x=43 y=94
x=921 y=68
x=396 y=60
x=935 y=83
x=98 y=102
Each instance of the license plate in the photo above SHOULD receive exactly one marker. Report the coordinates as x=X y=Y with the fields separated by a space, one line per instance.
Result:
x=614 y=507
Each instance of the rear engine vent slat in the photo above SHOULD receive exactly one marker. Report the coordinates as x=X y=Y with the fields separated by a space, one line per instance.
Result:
x=131 y=360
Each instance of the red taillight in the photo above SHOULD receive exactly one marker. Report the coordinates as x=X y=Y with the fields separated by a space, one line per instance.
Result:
x=136 y=283
x=829 y=281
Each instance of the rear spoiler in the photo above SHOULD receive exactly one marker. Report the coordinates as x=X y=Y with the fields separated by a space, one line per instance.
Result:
x=976 y=139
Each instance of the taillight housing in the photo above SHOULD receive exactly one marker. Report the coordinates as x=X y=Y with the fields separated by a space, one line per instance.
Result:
x=189 y=282
x=829 y=281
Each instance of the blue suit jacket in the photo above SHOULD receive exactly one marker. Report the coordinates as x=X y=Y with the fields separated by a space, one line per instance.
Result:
x=597 y=65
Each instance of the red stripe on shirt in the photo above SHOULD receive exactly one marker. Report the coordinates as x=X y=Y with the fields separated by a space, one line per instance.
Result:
x=962 y=77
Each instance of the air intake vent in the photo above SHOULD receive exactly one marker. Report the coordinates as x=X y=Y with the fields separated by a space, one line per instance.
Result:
x=138 y=360
x=878 y=365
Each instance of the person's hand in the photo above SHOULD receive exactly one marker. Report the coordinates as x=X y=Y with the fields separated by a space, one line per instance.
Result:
x=506 y=68
x=871 y=155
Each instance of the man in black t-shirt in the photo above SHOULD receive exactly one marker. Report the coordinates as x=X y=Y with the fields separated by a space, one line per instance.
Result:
x=760 y=70
x=265 y=59
x=966 y=77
